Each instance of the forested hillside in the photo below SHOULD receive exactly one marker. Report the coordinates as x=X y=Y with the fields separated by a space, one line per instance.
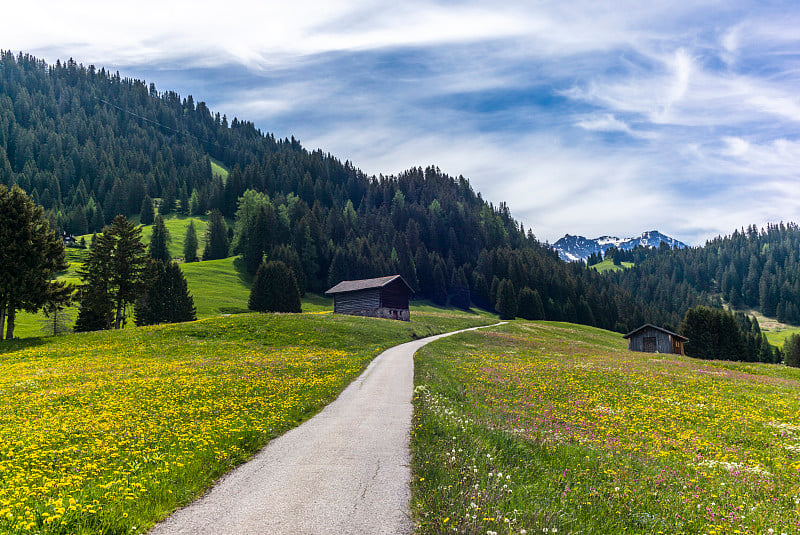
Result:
x=88 y=145
x=750 y=269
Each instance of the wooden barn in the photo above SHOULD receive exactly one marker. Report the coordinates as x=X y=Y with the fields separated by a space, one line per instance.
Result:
x=651 y=339
x=384 y=297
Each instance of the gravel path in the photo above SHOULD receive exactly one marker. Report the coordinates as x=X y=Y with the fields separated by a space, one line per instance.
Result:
x=344 y=471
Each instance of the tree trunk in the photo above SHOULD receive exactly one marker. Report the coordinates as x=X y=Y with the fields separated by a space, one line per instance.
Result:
x=12 y=314
x=118 y=318
x=2 y=319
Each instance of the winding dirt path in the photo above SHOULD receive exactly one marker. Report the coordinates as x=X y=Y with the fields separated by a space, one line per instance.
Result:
x=344 y=471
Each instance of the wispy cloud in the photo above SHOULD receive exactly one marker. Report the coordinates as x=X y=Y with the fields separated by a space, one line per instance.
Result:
x=587 y=117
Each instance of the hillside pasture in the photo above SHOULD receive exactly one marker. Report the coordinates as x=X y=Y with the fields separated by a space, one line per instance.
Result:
x=177 y=225
x=557 y=428
x=608 y=265
x=108 y=432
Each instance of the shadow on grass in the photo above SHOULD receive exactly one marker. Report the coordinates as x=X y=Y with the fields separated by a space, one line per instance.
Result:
x=9 y=346
x=241 y=270
x=426 y=305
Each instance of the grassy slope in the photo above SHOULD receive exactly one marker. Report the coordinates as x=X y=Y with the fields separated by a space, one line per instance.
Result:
x=591 y=438
x=776 y=332
x=106 y=431
x=176 y=225
x=608 y=265
x=217 y=169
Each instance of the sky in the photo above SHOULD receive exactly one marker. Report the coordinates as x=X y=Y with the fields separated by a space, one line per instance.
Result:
x=585 y=117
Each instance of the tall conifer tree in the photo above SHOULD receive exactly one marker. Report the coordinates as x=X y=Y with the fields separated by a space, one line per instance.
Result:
x=190 y=243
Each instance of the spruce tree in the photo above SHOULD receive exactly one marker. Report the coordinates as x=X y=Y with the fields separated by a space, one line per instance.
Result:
x=113 y=276
x=166 y=298
x=480 y=291
x=439 y=287
x=146 y=213
x=791 y=351
x=289 y=256
x=167 y=203
x=530 y=306
x=183 y=202
x=274 y=289
x=506 y=300
x=217 y=243
x=190 y=243
x=159 y=241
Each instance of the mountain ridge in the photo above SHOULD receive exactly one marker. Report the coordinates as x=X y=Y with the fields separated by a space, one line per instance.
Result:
x=578 y=248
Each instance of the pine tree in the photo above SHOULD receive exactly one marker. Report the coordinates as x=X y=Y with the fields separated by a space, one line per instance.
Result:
x=289 y=256
x=159 y=241
x=190 y=243
x=146 y=213
x=439 y=286
x=183 y=202
x=167 y=205
x=480 y=291
x=274 y=289
x=530 y=305
x=166 y=298
x=113 y=276
x=31 y=255
x=195 y=208
x=506 y=304
x=217 y=243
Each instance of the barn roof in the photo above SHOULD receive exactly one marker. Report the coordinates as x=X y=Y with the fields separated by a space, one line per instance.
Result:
x=646 y=325
x=365 y=284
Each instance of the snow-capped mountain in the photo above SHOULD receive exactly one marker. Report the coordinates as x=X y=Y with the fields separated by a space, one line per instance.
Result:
x=574 y=248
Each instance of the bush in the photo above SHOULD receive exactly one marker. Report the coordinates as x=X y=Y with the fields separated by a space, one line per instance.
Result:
x=791 y=351
x=274 y=289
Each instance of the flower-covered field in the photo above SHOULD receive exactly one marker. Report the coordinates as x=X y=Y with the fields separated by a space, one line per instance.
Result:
x=108 y=432
x=557 y=428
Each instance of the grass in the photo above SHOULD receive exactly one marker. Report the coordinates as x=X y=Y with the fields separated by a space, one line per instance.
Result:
x=176 y=225
x=556 y=428
x=217 y=169
x=608 y=265
x=108 y=432
x=218 y=286
x=776 y=332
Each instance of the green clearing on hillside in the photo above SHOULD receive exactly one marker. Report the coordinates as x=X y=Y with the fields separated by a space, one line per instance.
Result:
x=177 y=225
x=557 y=428
x=218 y=286
x=109 y=432
x=776 y=332
x=608 y=265
x=217 y=169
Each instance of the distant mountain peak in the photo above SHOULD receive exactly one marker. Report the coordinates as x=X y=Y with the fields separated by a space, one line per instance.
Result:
x=575 y=248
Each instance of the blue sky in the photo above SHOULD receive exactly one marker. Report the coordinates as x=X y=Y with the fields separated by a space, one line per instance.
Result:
x=586 y=117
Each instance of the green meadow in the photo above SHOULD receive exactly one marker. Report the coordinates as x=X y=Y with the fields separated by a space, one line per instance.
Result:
x=108 y=432
x=550 y=427
x=608 y=265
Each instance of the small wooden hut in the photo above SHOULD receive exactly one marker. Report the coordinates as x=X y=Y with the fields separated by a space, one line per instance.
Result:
x=652 y=339
x=384 y=297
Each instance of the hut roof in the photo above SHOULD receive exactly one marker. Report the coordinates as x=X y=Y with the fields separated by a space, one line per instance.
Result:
x=365 y=284
x=646 y=325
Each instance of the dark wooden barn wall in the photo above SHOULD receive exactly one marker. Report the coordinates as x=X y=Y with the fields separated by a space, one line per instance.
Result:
x=351 y=302
x=395 y=295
